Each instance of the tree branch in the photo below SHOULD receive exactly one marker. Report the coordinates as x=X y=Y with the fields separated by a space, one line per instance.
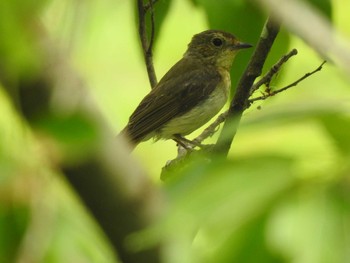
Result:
x=238 y=104
x=183 y=154
x=147 y=44
x=266 y=79
x=273 y=93
x=150 y=46
x=242 y=94
x=150 y=5
x=211 y=129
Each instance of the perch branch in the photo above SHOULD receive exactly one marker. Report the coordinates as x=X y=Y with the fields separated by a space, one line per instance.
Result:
x=211 y=129
x=240 y=99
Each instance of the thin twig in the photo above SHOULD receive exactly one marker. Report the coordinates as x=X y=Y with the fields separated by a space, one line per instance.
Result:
x=273 y=93
x=149 y=5
x=210 y=130
x=150 y=46
x=266 y=79
x=147 y=47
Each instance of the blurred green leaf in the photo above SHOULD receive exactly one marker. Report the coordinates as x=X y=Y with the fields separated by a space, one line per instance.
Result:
x=216 y=200
x=17 y=23
x=14 y=219
x=219 y=172
x=324 y=6
x=338 y=127
x=75 y=236
x=230 y=198
x=312 y=226
x=247 y=244
x=75 y=134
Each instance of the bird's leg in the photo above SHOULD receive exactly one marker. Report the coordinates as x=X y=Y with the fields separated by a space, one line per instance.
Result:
x=186 y=143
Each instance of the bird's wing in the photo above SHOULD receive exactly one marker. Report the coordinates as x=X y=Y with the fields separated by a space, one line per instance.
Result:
x=180 y=90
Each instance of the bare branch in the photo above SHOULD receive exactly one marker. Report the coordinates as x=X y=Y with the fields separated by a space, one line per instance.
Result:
x=273 y=93
x=147 y=45
x=150 y=47
x=149 y=5
x=266 y=79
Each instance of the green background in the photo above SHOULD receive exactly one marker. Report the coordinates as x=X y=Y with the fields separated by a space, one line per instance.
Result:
x=288 y=200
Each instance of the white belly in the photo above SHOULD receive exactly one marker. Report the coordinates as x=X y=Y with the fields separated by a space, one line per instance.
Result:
x=199 y=115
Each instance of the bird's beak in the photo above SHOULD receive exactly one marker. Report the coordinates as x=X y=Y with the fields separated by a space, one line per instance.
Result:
x=241 y=45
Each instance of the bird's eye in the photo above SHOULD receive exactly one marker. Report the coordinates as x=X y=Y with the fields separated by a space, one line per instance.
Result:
x=217 y=42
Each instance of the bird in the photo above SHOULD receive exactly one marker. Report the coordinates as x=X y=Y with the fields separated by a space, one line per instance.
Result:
x=192 y=92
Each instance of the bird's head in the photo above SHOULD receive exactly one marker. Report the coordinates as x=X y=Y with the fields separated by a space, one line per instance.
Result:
x=215 y=47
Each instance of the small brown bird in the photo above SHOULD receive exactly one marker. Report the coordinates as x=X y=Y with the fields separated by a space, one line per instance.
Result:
x=192 y=92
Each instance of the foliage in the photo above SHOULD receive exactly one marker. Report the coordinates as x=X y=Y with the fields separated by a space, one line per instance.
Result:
x=282 y=196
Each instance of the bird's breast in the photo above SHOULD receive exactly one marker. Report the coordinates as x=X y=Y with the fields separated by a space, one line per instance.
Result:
x=201 y=113
x=225 y=84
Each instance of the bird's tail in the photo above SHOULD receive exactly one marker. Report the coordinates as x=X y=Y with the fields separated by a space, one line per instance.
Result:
x=124 y=137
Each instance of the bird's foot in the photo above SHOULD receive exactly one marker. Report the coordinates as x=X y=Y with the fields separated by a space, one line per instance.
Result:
x=186 y=143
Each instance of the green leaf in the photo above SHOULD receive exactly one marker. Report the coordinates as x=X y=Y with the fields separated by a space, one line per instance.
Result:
x=212 y=183
x=14 y=220
x=324 y=6
x=75 y=134
x=247 y=244
x=312 y=225
x=338 y=127
x=17 y=22
x=217 y=202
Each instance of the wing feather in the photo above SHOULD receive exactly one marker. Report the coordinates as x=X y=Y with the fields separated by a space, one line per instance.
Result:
x=182 y=88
